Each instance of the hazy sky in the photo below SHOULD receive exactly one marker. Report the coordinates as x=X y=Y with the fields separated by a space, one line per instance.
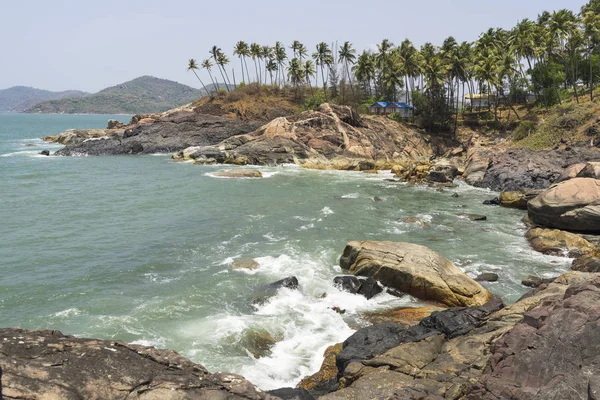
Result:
x=88 y=45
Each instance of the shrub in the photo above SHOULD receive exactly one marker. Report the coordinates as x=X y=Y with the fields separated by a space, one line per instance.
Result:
x=524 y=129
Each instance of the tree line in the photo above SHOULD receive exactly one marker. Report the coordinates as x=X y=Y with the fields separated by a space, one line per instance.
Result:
x=558 y=51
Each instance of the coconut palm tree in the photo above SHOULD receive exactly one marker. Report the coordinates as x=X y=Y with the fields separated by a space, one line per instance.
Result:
x=266 y=53
x=271 y=68
x=222 y=61
x=280 y=57
x=309 y=72
x=192 y=66
x=364 y=70
x=242 y=50
x=216 y=53
x=207 y=65
x=347 y=55
x=591 y=23
x=295 y=72
x=299 y=50
x=323 y=57
x=255 y=53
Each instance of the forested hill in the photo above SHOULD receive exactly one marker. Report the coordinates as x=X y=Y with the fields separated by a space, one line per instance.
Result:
x=145 y=94
x=21 y=98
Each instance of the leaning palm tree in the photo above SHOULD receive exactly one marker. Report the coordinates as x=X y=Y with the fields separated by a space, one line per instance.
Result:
x=207 y=65
x=192 y=66
x=242 y=50
x=215 y=53
x=222 y=61
x=347 y=55
x=255 y=53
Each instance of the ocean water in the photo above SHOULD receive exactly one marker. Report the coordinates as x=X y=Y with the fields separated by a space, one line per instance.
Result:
x=139 y=248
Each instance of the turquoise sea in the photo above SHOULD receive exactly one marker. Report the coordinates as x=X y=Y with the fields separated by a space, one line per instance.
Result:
x=139 y=248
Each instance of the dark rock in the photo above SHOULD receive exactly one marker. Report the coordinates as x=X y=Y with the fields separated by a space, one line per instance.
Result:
x=262 y=294
x=459 y=321
x=114 y=124
x=377 y=339
x=377 y=199
x=492 y=202
x=443 y=174
x=47 y=364
x=487 y=277
x=473 y=217
x=45 y=153
x=395 y=292
x=338 y=310
x=455 y=195
x=366 y=166
x=291 y=394
x=588 y=263
x=518 y=169
x=347 y=283
x=369 y=288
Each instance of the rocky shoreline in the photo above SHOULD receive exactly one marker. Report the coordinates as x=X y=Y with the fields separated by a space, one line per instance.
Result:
x=467 y=345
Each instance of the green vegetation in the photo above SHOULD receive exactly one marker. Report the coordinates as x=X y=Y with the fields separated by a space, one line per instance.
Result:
x=141 y=95
x=21 y=98
x=556 y=55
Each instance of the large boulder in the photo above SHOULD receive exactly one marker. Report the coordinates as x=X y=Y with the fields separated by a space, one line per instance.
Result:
x=46 y=364
x=572 y=205
x=590 y=170
x=414 y=269
x=559 y=243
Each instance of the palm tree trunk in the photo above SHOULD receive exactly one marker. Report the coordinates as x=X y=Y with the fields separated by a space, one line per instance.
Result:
x=324 y=84
x=212 y=80
x=256 y=69
x=200 y=81
x=591 y=76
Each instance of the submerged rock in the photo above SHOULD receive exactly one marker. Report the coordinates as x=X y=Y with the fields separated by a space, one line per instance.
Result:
x=414 y=220
x=258 y=342
x=487 y=277
x=239 y=173
x=265 y=292
x=473 y=217
x=46 y=364
x=572 y=205
x=45 y=152
x=244 y=263
x=413 y=269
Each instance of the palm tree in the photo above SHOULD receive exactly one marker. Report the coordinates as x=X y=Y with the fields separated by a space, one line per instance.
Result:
x=309 y=72
x=323 y=57
x=280 y=57
x=591 y=23
x=266 y=53
x=192 y=66
x=242 y=50
x=222 y=61
x=295 y=73
x=272 y=67
x=299 y=50
x=347 y=55
x=364 y=70
x=207 y=65
x=216 y=53
x=255 y=53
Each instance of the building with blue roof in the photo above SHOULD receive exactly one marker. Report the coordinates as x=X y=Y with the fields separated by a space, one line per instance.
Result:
x=392 y=107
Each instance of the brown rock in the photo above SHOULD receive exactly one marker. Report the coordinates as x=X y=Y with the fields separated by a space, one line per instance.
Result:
x=572 y=205
x=518 y=199
x=559 y=243
x=415 y=220
x=404 y=316
x=413 y=269
x=570 y=172
x=590 y=170
x=587 y=263
x=326 y=375
x=244 y=263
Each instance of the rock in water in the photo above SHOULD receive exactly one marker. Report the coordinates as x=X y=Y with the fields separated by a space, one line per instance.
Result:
x=518 y=199
x=46 y=364
x=473 y=217
x=114 y=124
x=347 y=283
x=366 y=287
x=487 y=277
x=45 y=153
x=559 y=243
x=492 y=202
x=244 y=263
x=587 y=263
x=291 y=394
x=240 y=173
x=369 y=288
x=413 y=269
x=270 y=290
x=572 y=205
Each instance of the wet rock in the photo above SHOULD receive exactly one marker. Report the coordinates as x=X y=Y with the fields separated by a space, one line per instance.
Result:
x=559 y=243
x=455 y=195
x=492 y=202
x=262 y=294
x=395 y=292
x=366 y=287
x=46 y=364
x=240 y=173
x=415 y=220
x=338 y=310
x=325 y=380
x=244 y=263
x=291 y=394
x=258 y=342
x=487 y=277
x=377 y=199
x=533 y=281
x=518 y=199
x=572 y=205
x=45 y=152
x=587 y=263
x=473 y=217
x=443 y=174
x=413 y=269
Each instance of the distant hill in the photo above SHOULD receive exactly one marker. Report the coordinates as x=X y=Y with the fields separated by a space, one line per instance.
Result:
x=145 y=94
x=21 y=98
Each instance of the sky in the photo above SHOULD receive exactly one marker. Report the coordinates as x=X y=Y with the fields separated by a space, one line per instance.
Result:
x=89 y=45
